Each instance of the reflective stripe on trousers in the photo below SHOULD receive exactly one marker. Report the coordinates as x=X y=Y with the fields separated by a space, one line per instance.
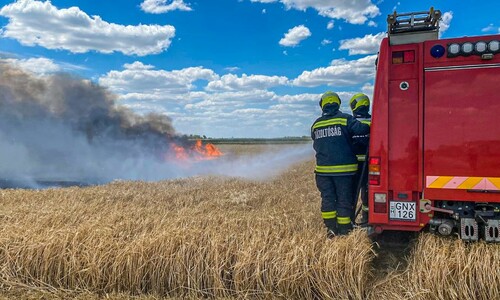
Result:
x=327 y=215
x=343 y=220
x=337 y=168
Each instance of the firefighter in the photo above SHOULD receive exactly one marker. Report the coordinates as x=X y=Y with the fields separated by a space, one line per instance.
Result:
x=336 y=163
x=360 y=106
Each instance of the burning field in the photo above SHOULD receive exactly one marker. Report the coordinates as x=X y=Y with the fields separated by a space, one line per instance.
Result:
x=217 y=237
x=63 y=130
x=174 y=218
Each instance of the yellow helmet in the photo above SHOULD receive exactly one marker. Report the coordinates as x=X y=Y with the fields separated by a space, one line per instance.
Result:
x=329 y=98
x=359 y=100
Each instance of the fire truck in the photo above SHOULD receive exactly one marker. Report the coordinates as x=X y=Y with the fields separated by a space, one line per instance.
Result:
x=434 y=154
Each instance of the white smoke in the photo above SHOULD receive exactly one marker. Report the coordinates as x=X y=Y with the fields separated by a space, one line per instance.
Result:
x=59 y=128
x=265 y=165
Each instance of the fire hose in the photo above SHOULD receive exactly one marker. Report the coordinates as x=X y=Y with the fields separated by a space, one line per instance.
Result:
x=358 y=187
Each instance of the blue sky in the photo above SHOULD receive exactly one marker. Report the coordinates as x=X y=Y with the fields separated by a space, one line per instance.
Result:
x=220 y=68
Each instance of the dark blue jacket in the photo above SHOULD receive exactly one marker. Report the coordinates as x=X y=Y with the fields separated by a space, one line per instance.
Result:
x=332 y=140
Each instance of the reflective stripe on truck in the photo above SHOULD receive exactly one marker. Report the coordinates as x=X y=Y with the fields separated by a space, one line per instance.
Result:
x=463 y=183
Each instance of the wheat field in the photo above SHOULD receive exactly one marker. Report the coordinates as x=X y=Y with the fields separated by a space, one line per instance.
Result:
x=219 y=238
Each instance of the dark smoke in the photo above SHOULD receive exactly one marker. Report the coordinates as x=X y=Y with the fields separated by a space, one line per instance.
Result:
x=63 y=128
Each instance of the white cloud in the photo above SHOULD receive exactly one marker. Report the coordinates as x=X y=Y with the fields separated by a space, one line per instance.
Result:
x=354 y=11
x=40 y=23
x=325 y=42
x=372 y=23
x=368 y=89
x=34 y=65
x=490 y=28
x=394 y=8
x=366 y=45
x=137 y=65
x=264 y=1
x=143 y=79
x=341 y=72
x=259 y=112
x=232 y=69
x=298 y=98
x=445 y=22
x=161 y=6
x=228 y=101
x=330 y=25
x=231 y=82
x=295 y=35
x=214 y=107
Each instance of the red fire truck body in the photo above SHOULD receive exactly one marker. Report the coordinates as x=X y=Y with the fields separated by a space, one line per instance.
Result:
x=434 y=157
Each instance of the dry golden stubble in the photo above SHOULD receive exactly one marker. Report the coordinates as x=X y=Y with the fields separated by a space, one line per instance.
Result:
x=445 y=268
x=215 y=237
x=197 y=237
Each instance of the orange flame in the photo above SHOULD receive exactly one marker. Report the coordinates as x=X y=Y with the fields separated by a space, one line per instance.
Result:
x=180 y=152
x=198 y=151
x=207 y=150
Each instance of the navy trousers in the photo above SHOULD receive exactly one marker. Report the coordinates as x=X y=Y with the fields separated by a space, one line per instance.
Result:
x=336 y=198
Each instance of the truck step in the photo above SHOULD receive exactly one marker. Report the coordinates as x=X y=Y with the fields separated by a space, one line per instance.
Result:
x=469 y=229
x=492 y=231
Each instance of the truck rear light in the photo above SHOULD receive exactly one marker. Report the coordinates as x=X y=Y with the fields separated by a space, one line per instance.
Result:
x=409 y=56
x=399 y=57
x=374 y=171
x=374 y=161
x=380 y=203
x=374 y=179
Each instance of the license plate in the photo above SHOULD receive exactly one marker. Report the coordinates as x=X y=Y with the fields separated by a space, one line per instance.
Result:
x=402 y=210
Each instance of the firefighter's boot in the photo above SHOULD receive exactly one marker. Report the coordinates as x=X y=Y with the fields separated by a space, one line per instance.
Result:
x=344 y=229
x=331 y=228
x=330 y=233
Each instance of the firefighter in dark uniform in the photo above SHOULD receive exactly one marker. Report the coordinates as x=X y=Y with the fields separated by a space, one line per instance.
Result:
x=360 y=106
x=336 y=163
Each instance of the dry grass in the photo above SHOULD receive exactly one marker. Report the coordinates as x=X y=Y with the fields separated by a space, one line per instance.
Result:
x=441 y=268
x=191 y=238
x=215 y=237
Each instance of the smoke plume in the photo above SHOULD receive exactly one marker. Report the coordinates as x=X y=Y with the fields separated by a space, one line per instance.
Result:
x=63 y=128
